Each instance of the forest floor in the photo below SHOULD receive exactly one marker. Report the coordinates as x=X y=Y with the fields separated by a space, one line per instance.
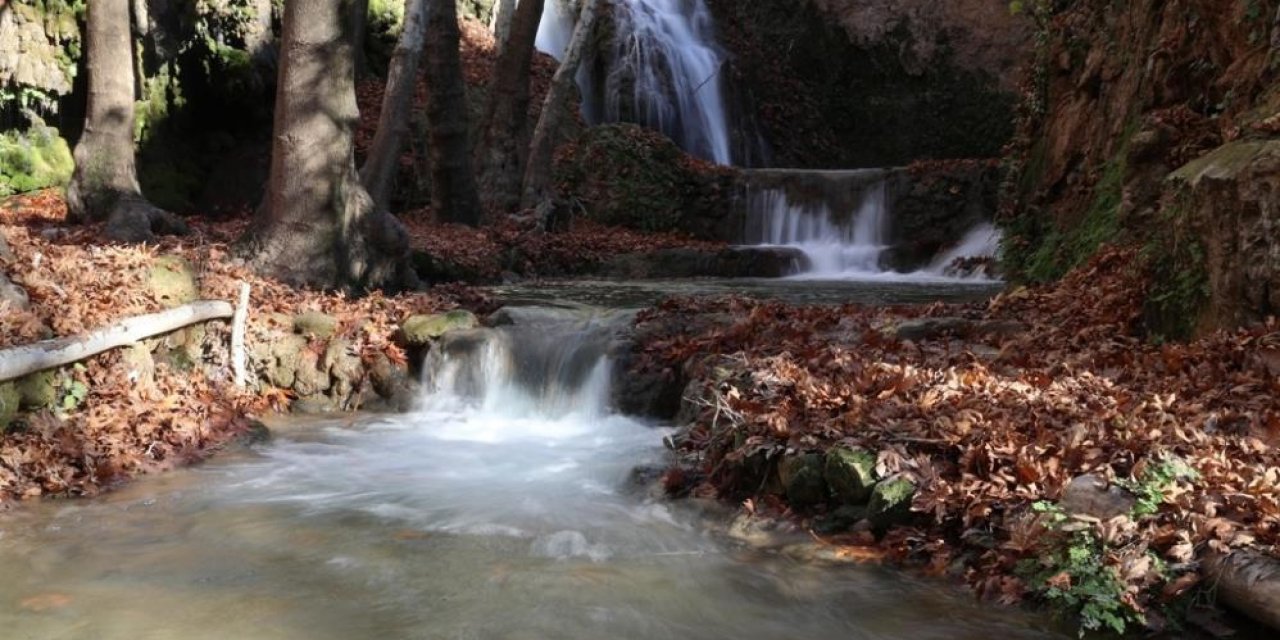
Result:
x=990 y=410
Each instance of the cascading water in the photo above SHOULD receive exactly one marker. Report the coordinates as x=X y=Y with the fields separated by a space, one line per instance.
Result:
x=661 y=72
x=839 y=220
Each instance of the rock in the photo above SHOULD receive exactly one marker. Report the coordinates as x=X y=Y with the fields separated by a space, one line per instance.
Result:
x=13 y=294
x=840 y=520
x=38 y=390
x=256 y=433
x=802 y=480
x=1091 y=495
x=139 y=366
x=314 y=323
x=890 y=503
x=392 y=384
x=761 y=532
x=931 y=328
x=312 y=405
x=10 y=400
x=345 y=371
x=173 y=282
x=418 y=331
x=284 y=356
x=310 y=378
x=850 y=473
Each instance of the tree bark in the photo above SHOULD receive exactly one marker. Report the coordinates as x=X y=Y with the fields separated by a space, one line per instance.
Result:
x=104 y=185
x=318 y=226
x=16 y=362
x=505 y=129
x=503 y=12
x=453 y=184
x=537 y=173
x=383 y=162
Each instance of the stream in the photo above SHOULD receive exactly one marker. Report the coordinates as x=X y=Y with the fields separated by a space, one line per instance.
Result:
x=501 y=508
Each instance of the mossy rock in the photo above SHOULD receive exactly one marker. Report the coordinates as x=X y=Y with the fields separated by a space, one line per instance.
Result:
x=850 y=473
x=284 y=357
x=10 y=399
x=314 y=323
x=38 y=390
x=35 y=159
x=802 y=479
x=890 y=503
x=172 y=280
x=419 y=331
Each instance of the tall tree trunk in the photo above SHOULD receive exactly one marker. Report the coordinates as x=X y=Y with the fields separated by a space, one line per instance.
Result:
x=318 y=226
x=505 y=129
x=104 y=185
x=383 y=162
x=453 y=185
x=537 y=174
x=503 y=12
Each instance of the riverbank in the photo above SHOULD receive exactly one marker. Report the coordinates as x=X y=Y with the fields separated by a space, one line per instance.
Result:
x=1038 y=445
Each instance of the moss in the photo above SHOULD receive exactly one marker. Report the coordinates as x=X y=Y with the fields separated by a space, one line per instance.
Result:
x=35 y=159
x=1179 y=289
x=851 y=474
x=624 y=175
x=421 y=330
x=1037 y=251
x=9 y=400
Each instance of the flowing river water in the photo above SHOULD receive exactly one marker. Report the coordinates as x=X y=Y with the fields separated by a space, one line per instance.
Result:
x=501 y=508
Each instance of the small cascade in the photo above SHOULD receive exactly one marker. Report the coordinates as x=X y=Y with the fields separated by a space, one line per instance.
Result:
x=662 y=71
x=841 y=221
x=554 y=368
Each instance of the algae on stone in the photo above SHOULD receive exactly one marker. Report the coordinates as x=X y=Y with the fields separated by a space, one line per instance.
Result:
x=316 y=324
x=421 y=330
x=850 y=472
x=802 y=480
x=890 y=502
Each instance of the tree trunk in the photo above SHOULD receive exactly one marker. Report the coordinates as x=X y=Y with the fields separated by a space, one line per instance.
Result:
x=537 y=174
x=383 y=163
x=503 y=12
x=505 y=129
x=104 y=185
x=318 y=226
x=453 y=184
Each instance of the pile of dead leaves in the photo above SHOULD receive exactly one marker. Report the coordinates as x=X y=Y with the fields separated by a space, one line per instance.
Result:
x=76 y=283
x=989 y=425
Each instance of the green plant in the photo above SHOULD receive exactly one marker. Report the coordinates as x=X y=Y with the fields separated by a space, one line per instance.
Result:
x=1154 y=482
x=1076 y=578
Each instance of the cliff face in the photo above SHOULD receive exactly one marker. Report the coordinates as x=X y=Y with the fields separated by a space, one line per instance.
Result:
x=873 y=83
x=1148 y=124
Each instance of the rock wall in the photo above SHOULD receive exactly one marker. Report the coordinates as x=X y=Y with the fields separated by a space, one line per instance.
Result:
x=1150 y=126
x=876 y=83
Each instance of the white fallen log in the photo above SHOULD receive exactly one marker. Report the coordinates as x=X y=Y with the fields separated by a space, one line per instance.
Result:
x=1249 y=582
x=238 y=322
x=16 y=362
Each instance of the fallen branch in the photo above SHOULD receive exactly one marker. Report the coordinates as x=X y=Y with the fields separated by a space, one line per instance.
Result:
x=238 y=322
x=1248 y=582
x=16 y=362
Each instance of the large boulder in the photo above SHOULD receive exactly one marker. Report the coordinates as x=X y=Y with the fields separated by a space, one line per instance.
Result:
x=421 y=330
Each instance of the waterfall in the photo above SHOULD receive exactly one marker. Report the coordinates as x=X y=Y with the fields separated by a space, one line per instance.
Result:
x=834 y=248
x=555 y=367
x=662 y=72
x=840 y=220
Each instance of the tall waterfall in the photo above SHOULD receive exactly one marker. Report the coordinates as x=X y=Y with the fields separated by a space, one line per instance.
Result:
x=663 y=72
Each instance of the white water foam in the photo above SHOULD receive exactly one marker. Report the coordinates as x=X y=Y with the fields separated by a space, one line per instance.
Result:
x=664 y=72
x=849 y=247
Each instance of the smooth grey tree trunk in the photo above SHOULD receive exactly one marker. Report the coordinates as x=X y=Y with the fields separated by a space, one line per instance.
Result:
x=503 y=12
x=383 y=162
x=318 y=226
x=453 y=183
x=104 y=186
x=537 y=173
x=505 y=130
